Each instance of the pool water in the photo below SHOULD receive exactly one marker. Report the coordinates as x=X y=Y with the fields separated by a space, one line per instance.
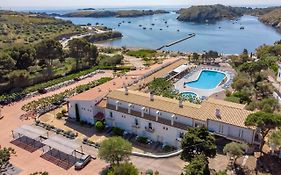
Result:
x=207 y=80
x=189 y=95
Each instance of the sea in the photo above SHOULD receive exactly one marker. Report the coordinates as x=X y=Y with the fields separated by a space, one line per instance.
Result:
x=152 y=32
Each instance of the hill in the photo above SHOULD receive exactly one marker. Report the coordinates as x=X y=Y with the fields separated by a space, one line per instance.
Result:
x=272 y=18
x=210 y=13
x=120 y=13
x=27 y=28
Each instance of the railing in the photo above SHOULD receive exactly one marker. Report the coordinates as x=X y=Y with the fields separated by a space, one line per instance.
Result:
x=151 y=130
x=136 y=126
x=149 y=117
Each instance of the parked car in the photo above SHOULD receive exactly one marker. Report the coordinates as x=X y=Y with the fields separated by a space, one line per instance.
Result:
x=42 y=91
x=82 y=162
x=77 y=79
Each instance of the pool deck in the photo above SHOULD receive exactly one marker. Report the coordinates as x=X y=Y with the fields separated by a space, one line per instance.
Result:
x=194 y=75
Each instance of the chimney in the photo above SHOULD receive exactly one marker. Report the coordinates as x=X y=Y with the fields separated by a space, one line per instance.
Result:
x=218 y=113
x=180 y=103
x=151 y=96
x=142 y=111
x=126 y=90
x=172 y=120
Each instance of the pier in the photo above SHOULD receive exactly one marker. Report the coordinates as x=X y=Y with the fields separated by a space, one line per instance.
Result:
x=177 y=41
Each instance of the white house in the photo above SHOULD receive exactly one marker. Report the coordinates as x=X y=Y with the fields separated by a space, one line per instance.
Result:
x=166 y=120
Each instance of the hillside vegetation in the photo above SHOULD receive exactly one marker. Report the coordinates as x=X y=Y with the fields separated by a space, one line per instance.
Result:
x=272 y=18
x=120 y=13
x=212 y=13
x=25 y=28
x=205 y=13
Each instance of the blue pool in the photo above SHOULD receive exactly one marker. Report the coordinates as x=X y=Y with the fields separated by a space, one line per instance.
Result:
x=189 y=95
x=207 y=80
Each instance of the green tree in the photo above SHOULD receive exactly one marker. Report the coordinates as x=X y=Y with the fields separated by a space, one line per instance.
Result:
x=161 y=86
x=114 y=150
x=78 y=49
x=5 y=155
x=24 y=55
x=234 y=149
x=265 y=122
x=7 y=64
x=91 y=54
x=125 y=168
x=198 y=141
x=49 y=50
x=197 y=166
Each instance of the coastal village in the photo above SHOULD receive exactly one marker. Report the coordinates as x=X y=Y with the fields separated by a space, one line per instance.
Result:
x=71 y=104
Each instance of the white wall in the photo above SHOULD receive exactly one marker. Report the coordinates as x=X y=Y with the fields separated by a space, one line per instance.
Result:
x=231 y=131
x=87 y=110
x=162 y=133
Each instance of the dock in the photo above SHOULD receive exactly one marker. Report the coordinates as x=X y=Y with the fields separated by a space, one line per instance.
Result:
x=177 y=41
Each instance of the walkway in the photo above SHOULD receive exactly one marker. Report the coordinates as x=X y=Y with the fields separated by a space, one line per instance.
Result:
x=32 y=162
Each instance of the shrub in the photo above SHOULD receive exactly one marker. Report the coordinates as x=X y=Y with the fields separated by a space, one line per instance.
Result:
x=142 y=139
x=59 y=115
x=99 y=126
x=167 y=148
x=149 y=172
x=63 y=111
x=118 y=131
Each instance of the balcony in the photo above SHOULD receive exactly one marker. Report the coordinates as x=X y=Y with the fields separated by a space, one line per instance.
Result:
x=135 y=126
x=151 y=130
x=149 y=117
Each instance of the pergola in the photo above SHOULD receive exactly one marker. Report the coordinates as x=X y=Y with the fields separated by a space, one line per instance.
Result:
x=31 y=132
x=64 y=145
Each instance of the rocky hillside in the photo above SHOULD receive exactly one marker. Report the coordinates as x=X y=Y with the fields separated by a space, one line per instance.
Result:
x=210 y=13
x=120 y=13
x=272 y=18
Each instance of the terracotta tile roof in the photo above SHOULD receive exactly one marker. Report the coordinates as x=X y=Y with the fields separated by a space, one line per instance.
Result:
x=230 y=113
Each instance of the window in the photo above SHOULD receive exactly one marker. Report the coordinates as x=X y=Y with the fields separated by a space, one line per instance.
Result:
x=150 y=125
x=181 y=134
x=241 y=132
x=111 y=115
x=220 y=128
x=136 y=122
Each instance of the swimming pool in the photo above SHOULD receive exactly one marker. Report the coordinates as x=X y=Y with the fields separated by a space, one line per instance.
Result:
x=207 y=80
x=189 y=95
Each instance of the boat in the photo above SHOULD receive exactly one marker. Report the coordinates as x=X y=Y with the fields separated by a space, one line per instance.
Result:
x=140 y=25
x=152 y=24
x=161 y=29
x=144 y=28
x=242 y=28
x=178 y=30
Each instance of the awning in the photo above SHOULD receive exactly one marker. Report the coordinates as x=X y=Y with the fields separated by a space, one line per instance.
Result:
x=30 y=131
x=62 y=144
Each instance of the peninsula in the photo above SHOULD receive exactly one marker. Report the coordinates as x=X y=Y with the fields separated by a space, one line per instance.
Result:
x=212 y=13
x=119 y=13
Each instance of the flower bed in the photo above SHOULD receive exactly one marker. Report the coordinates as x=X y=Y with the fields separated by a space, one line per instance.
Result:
x=46 y=103
x=68 y=134
x=53 y=84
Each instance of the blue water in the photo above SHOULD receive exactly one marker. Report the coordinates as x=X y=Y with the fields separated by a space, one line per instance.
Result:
x=189 y=95
x=207 y=80
x=223 y=36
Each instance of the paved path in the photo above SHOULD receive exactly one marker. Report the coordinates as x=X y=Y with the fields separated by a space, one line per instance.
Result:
x=32 y=162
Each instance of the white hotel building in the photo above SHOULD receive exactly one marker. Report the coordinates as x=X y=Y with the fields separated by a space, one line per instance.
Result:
x=163 y=119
